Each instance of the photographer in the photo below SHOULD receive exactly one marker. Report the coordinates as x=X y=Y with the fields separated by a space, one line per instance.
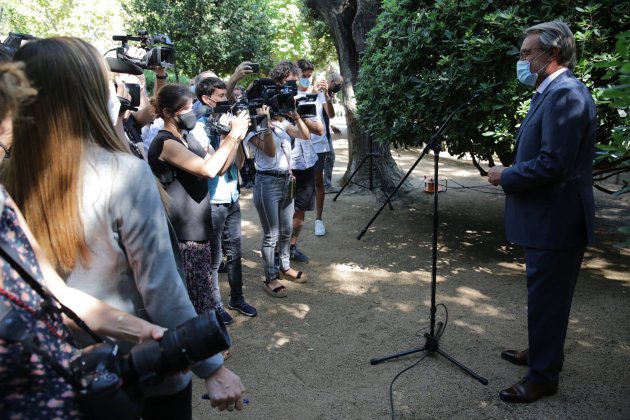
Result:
x=224 y=201
x=183 y=167
x=29 y=386
x=110 y=237
x=273 y=195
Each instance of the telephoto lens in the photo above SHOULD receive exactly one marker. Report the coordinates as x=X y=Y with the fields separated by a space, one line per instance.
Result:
x=180 y=348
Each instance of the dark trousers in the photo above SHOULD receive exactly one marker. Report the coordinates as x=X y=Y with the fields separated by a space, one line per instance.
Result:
x=226 y=235
x=169 y=407
x=551 y=279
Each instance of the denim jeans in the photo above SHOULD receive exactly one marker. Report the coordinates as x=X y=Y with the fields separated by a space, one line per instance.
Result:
x=226 y=235
x=329 y=164
x=276 y=218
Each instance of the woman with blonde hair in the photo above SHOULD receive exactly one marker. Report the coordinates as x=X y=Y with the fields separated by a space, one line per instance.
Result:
x=96 y=210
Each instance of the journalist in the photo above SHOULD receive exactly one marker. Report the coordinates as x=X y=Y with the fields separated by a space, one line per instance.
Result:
x=183 y=167
x=224 y=197
x=30 y=387
x=273 y=189
x=110 y=236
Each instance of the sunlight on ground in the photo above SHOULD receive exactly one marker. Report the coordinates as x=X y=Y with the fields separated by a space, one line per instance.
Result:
x=471 y=298
x=474 y=328
x=278 y=341
x=356 y=281
x=608 y=273
x=296 y=310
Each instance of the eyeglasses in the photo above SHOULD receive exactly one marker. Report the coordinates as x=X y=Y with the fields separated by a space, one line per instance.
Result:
x=526 y=53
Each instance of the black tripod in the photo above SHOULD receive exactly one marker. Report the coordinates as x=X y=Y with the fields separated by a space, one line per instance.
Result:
x=431 y=344
x=379 y=168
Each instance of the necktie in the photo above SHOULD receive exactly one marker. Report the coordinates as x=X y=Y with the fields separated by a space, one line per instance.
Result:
x=534 y=100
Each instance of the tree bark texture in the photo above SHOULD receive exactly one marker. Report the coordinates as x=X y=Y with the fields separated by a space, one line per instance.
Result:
x=349 y=22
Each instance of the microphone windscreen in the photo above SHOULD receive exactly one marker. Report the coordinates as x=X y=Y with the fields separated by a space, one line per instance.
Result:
x=117 y=65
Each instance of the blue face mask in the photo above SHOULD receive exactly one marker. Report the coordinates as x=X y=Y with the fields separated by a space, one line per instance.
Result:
x=304 y=82
x=524 y=71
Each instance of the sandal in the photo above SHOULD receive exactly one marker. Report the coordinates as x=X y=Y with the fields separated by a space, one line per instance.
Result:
x=278 y=292
x=300 y=278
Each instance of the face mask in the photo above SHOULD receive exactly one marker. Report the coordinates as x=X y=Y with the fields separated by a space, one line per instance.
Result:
x=524 y=72
x=187 y=120
x=113 y=104
x=305 y=82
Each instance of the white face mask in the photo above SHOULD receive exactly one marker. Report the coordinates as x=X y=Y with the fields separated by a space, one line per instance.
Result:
x=113 y=104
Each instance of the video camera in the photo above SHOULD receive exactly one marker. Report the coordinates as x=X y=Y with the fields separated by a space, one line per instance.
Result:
x=12 y=42
x=258 y=124
x=112 y=384
x=155 y=56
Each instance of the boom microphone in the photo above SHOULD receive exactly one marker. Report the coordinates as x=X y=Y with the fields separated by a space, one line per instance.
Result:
x=480 y=91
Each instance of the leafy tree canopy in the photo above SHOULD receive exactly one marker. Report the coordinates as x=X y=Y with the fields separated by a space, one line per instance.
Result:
x=425 y=58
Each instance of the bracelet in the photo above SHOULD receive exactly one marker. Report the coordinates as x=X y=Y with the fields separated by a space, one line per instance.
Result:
x=157 y=76
x=233 y=139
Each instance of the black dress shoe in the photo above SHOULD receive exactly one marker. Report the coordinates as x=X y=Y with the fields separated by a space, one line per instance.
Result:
x=515 y=356
x=526 y=391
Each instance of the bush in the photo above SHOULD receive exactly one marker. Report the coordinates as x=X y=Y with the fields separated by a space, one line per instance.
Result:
x=426 y=58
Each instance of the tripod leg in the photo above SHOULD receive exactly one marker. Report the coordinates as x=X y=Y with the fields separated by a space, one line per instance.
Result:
x=481 y=379
x=351 y=176
x=378 y=360
x=383 y=184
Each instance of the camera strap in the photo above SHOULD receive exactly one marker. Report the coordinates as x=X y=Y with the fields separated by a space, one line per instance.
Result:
x=50 y=302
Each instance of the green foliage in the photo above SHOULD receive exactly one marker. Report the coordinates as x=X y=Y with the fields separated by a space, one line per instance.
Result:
x=614 y=157
x=426 y=58
x=220 y=34
x=209 y=34
x=93 y=21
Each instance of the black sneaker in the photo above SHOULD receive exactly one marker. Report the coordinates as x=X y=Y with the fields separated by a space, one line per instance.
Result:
x=296 y=255
x=225 y=317
x=242 y=306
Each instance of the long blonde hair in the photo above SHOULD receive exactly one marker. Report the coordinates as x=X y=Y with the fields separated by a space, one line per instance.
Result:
x=50 y=135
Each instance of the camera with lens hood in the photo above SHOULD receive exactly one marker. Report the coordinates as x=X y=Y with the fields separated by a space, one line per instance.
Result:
x=111 y=384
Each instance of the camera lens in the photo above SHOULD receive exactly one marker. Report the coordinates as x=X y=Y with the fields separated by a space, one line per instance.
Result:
x=187 y=344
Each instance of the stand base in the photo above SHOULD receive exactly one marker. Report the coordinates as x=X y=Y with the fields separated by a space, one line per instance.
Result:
x=431 y=346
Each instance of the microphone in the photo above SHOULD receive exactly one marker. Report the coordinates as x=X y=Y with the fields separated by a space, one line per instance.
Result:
x=480 y=91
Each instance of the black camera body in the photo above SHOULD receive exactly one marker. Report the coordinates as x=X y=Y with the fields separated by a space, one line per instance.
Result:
x=156 y=55
x=112 y=384
x=258 y=124
x=307 y=105
x=12 y=42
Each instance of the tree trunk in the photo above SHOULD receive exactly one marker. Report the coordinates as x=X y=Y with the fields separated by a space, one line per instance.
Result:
x=349 y=22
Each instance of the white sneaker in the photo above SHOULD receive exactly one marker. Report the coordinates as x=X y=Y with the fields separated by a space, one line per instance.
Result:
x=320 y=229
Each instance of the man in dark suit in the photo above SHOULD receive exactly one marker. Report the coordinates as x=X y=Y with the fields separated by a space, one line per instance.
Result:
x=549 y=208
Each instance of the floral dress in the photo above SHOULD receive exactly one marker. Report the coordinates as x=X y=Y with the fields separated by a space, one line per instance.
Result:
x=29 y=387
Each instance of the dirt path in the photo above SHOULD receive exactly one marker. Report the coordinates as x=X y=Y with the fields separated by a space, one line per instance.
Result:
x=306 y=356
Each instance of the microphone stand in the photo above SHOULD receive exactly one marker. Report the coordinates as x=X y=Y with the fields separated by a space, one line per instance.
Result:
x=432 y=337
x=430 y=146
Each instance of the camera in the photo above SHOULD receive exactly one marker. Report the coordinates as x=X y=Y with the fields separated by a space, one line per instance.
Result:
x=307 y=105
x=281 y=99
x=111 y=384
x=155 y=55
x=258 y=124
x=12 y=42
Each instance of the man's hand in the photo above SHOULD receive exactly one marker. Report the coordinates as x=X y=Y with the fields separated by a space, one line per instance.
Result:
x=321 y=86
x=225 y=390
x=494 y=175
x=239 y=124
x=335 y=129
x=241 y=71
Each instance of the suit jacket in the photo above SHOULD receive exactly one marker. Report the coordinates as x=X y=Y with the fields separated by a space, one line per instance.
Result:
x=549 y=194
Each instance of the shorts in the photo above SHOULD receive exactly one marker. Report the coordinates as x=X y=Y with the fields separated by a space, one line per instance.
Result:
x=321 y=159
x=305 y=189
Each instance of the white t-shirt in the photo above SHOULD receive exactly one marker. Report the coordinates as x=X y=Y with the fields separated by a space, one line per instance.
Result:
x=319 y=143
x=283 y=149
